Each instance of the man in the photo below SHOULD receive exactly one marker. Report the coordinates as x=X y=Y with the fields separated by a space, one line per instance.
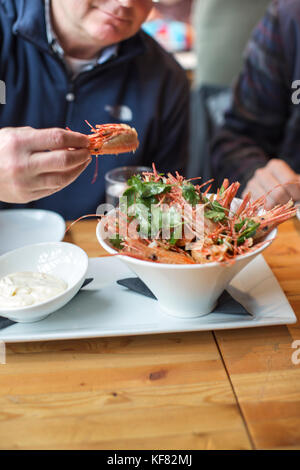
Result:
x=76 y=60
x=259 y=144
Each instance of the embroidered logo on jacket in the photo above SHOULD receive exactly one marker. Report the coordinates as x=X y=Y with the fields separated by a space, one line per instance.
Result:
x=122 y=112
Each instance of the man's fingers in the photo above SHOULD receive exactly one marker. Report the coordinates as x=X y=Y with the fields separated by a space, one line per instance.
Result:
x=276 y=181
x=292 y=187
x=281 y=170
x=287 y=178
x=55 y=181
x=255 y=189
x=275 y=192
x=59 y=160
x=37 y=140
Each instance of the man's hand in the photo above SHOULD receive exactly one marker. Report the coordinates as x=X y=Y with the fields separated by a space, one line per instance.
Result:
x=277 y=181
x=37 y=163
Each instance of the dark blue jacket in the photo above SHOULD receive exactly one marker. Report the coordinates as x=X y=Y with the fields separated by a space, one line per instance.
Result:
x=143 y=77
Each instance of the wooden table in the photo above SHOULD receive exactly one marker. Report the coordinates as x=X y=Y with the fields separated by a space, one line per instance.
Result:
x=235 y=389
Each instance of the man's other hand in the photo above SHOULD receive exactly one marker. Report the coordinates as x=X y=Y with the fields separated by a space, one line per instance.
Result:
x=277 y=181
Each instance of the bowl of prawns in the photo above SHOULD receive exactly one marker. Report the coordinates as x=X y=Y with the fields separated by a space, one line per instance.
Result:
x=185 y=243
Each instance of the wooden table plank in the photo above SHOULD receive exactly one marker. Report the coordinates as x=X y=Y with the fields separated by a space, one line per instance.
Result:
x=83 y=234
x=143 y=392
x=258 y=361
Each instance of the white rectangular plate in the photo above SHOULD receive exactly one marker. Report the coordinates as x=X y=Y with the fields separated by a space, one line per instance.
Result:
x=103 y=308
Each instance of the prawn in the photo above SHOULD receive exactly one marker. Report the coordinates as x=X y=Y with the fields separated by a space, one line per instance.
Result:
x=270 y=219
x=112 y=139
x=153 y=252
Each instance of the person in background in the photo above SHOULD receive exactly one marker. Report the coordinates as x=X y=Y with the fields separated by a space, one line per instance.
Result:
x=221 y=31
x=259 y=144
x=76 y=60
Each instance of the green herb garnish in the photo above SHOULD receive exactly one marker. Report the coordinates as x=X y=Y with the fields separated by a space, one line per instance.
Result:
x=214 y=211
x=249 y=231
x=190 y=194
x=145 y=189
x=116 y=242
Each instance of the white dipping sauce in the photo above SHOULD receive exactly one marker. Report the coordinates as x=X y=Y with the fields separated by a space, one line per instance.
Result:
x=29 y=288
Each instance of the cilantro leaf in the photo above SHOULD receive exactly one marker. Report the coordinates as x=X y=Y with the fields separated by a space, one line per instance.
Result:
x=190 y=194
x=214 y=211
x=249 y=231
x=221 y=191
x=117 y=242
x=214 y=215
x=130 y=194
x=139 y=189
x=152 y=188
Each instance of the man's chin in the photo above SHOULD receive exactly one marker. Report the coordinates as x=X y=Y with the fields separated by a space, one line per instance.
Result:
x=107 y=35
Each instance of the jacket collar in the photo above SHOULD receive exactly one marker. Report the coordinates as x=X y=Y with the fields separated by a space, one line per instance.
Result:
x=30 y=22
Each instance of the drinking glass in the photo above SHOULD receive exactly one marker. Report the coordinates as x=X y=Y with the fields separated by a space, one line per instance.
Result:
x=116 y=181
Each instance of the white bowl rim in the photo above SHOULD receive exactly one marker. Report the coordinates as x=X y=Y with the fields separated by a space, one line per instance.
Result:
x=31 y=211
x=48 y=301
x=269 y=239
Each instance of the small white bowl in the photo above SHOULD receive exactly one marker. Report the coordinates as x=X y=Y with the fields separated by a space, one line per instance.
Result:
x=21 y=227
x=62 y=260
x=186 y=291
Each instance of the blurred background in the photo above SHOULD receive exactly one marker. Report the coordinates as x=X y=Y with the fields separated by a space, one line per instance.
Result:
x=170 y=23
x=208 y=38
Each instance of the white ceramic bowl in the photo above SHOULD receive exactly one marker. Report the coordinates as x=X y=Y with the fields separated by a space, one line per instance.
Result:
x=185 y=291
x=21 y=227
x=63 y=260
